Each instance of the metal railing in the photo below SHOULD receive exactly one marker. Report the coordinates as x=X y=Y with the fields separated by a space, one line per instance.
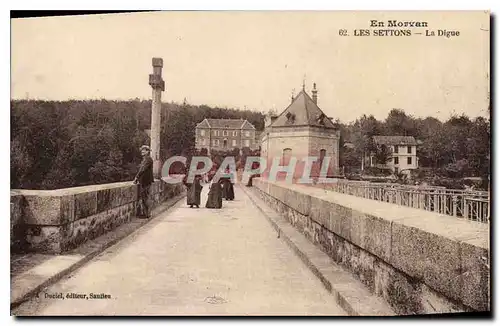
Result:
x=471 y=205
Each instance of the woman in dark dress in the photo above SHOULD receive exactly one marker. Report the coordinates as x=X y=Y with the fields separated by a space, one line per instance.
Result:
x=214 y=199
x=227 y=186
x=227 y=189
x=193 y=196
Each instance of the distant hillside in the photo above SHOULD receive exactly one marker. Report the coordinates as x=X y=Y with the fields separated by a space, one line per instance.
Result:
x=71 y=143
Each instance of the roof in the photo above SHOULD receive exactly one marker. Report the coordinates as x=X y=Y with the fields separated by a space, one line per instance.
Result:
x=395 y=140
x=203 y=124
x=247 y=125
x=303 y=112
x=225 y=123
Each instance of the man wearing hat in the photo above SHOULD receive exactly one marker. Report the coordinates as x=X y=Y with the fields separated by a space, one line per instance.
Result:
x=144 y=178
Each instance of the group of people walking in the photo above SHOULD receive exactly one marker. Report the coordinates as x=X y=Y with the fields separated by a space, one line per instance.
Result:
x=219 y=190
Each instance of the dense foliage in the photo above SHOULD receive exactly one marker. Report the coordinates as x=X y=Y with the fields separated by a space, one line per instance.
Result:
x=74 y=143
x=456 y=148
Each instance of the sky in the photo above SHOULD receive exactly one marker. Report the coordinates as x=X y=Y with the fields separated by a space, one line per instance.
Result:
x=256 y=59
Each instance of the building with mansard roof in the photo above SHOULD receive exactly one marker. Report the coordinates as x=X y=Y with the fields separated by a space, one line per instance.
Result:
x=225 y=134
x=301 y=130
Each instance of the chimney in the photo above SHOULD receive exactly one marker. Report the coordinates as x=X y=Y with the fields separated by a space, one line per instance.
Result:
x=269 y=119
x=315 y=94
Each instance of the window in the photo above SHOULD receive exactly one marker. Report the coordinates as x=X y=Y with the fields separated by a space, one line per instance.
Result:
x=322 y=154
x=235 y=133
x=234 y=142
x=409 y=149
x=247 y=142
x=202 y=132
x=225 y=142
x=215 y=142
x=395 y=148
x=216 y=132
x=247 y=133
x=225 y=133
x=287 y=153
x=396 y=160
x=203 y=141
x=408 y=159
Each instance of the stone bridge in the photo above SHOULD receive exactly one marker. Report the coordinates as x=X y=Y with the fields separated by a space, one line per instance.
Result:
x=277 y=249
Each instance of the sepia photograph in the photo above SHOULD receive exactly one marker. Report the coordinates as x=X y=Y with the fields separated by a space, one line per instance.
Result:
x=250 y=163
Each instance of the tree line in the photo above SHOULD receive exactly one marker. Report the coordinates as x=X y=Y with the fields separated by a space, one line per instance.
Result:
x=73 y=143
x=59 y=144
x=456 y=148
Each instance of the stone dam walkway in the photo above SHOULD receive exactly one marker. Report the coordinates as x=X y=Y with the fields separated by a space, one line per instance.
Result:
x=193 y=262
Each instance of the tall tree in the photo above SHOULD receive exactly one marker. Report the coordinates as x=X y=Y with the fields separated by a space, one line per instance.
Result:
x=382 y=154
x=400 y=124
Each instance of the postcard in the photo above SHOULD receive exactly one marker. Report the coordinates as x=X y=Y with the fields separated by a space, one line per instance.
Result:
x=251 y=163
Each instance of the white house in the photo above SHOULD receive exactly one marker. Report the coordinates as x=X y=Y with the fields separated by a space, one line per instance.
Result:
x=403 y=153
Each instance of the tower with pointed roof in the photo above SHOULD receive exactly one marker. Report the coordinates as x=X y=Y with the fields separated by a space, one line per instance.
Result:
x=302 y=130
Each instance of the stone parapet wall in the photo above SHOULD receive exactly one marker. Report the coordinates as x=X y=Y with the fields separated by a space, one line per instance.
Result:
x=420 y=262
x=53 y=221
x=16 y=229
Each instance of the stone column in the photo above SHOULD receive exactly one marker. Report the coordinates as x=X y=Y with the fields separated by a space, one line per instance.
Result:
x=158 y=85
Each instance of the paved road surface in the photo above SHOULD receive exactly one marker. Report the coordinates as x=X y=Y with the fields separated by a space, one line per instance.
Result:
x=194 y=262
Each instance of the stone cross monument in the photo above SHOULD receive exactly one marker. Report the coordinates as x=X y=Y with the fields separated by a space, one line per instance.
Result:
x=158 y=85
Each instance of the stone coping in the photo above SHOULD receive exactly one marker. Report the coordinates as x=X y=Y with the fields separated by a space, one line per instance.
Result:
x=448 y=254
x=80 y=189
x=69 y=191
x=63 y=206
x=443 y=225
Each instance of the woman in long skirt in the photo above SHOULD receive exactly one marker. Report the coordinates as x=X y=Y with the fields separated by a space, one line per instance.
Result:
x=214 y=199
x=193 y=196
x=228 y=189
